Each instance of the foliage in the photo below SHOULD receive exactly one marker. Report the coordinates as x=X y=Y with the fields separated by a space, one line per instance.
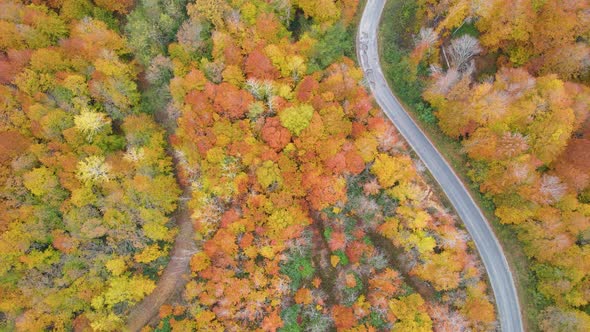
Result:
x=406 y=83
x=296 y=118
x=271 y=151
x=152 y=25
x=333 y=44
x=298 y=268
x=86 y=184
x=302 y=195
x=522 y=124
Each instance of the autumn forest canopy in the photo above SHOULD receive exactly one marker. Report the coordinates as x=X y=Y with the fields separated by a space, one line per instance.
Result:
x=244 y=130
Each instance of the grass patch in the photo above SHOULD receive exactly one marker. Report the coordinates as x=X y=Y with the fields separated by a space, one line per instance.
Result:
x=395 y=39
x=466 y=29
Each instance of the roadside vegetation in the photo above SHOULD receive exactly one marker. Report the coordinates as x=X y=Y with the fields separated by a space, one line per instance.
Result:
x=453 y=74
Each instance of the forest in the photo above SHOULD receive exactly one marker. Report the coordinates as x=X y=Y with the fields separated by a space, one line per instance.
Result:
x=510 y=83
x=251 y=122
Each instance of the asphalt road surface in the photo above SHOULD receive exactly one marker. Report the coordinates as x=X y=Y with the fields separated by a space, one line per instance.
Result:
x=487 y=244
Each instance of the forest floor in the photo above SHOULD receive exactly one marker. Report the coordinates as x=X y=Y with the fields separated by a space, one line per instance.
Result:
x=395 y=257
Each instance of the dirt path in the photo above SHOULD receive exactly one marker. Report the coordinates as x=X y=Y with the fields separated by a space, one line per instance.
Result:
x=175 y=275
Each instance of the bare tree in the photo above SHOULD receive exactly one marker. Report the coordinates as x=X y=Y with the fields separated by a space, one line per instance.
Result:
x=172 y=114
x=513 y=144
x=160 y=70
x=233 y=17
x=520 y=172
x=426 y=37
x=462 y=49
x=446 y=81
x=189 y=35
x=436 y=70
x=254 y=86
x=516 y=87
x=552 y=188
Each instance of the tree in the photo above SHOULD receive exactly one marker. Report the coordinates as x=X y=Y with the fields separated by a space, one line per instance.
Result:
x=296 y=118
x=343 y=317
x=332 y=46
x=93 y=169
x=90 y=123
x=552 y=188
x=268 y=174
x=556 y=319
x=442 y=270
x=40 y=181
x=152 y=25
x=479 y=310
x=122 y=7
x=461 y=51
x=392 y=170
x=231 y=100
x=259 y=66
x=112 y=85
x=233 y=75
x=529 y=32
x=450 y=96
x=211 y=10
x=323 y=11
x=272 y=322
x=199 y=262
x=411 y=314
x=120 y=290
x=550 y=131
x=570 y=62
x=573 y=165
x=275 y=135
x=13 y=63
x=191 y=35
x=42 y=27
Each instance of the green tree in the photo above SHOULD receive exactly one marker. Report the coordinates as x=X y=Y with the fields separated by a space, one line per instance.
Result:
x=152 y=25
x=333 y=44
x=296 y=118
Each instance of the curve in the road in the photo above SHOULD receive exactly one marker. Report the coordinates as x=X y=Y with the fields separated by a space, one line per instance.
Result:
x=486 y=242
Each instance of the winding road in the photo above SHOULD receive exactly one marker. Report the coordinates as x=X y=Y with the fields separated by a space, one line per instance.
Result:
x=486 y=242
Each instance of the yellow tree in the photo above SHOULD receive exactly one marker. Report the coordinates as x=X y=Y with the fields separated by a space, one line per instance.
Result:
x=90 y=123
x=392 y=169
x=411 y=314
x=296 y=118
x=93 y=169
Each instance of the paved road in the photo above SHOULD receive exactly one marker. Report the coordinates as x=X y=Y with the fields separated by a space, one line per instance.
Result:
x=483 y=236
